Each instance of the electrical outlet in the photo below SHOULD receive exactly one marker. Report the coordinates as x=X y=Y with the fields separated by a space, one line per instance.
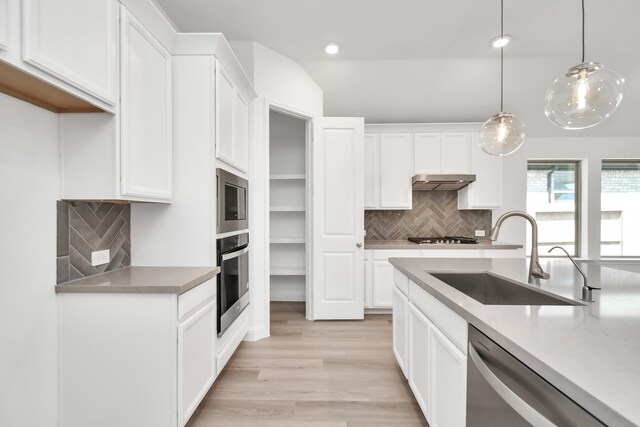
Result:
x=100 y=257
x=480 y=233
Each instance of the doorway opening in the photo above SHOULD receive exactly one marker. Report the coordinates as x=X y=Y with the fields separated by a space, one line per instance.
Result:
x=289 y=208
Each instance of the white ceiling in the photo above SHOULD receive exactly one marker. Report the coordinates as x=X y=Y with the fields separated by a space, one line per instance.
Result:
x=426 y=60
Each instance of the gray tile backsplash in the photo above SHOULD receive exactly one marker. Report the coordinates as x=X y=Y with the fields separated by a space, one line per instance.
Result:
x=84 y=227
x=434 y=213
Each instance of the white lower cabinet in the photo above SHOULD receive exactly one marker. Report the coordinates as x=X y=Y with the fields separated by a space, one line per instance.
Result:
x=143 y=360
x=436 y=357
x=382 y=283
x=196 y=359
x=448 y=378
x=419 y=375
x=401 y=329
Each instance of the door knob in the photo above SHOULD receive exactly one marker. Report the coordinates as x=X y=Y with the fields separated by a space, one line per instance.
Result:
x=358 y=245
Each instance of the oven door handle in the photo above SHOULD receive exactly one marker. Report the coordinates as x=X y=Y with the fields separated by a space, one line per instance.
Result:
x=525 y=410
x=235 y=254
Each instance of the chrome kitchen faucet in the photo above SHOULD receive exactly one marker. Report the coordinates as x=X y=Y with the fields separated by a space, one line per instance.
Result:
x=535 y=269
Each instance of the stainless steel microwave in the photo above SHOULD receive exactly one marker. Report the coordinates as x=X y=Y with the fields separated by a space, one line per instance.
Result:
x=233 y=198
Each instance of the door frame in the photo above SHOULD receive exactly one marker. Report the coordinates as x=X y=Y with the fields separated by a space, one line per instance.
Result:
x=269 y=106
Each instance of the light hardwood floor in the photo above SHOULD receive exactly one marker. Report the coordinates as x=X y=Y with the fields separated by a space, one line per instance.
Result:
x=313 y=374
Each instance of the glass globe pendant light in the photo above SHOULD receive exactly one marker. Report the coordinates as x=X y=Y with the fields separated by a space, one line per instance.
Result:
x=503 y=133
x=585 y=95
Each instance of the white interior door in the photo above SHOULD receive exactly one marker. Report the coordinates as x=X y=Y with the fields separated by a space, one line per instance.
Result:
x=338 y=218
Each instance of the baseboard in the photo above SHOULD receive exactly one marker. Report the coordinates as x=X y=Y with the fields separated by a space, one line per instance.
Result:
x=288 y=296
x=257 y=333
x=378 y=311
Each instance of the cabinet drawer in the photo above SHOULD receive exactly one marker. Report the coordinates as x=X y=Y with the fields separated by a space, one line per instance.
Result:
x=449 y=323
x=401 y=281
x=195 y=298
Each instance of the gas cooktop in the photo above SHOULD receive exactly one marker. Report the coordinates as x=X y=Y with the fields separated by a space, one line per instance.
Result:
x=443 y=240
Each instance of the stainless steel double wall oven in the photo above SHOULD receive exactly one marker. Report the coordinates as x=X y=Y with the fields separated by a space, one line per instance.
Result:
x=233 y=250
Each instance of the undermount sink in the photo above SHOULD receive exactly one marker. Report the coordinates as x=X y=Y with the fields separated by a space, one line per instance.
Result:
x=490 y=289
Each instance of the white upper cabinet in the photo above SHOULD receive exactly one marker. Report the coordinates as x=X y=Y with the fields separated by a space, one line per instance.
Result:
x=145 y=113
x=388 y=170
x=242 y=133
x=396 y=170
x=232 y=122
x=426 y=153
x=396 y=152
x=486 y=191
x=127 y=155
x=73 y=41
x=4 y=24
x=225 y=98
x=371 y=171
x=454 y=153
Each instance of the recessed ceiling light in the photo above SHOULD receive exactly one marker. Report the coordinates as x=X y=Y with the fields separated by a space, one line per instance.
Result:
x=332 y=48
x=501 y=41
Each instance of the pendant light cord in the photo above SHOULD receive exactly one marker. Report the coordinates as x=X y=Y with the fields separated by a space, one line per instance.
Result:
x=582 y=31
x=502 y=55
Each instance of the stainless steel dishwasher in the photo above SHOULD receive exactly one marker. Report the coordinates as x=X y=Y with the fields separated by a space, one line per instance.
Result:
x=502 y=391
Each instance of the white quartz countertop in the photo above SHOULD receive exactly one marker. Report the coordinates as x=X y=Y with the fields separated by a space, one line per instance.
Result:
x=142 y=280
x=590 y=352
x=405 y=244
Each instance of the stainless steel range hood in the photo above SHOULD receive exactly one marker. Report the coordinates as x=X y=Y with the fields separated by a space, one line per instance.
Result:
x=442 y=182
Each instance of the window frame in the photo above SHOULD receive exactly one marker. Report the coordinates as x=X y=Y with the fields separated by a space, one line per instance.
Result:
x=613 y=257
x=578 y=202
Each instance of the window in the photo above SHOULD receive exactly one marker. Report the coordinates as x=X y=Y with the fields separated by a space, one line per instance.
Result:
x=620 y=208
x=553 y=199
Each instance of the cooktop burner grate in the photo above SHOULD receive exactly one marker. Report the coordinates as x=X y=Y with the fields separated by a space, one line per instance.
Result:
x=447 y=240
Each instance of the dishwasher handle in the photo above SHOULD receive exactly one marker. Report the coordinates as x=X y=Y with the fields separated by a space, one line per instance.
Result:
x=525 y=410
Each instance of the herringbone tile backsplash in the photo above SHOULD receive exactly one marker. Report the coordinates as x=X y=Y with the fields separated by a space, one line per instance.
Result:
x=434 y=213
x=84 y=227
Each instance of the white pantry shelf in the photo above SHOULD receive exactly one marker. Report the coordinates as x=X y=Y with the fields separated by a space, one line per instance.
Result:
x=288 y=271
x=287 y=209
x=287 y=240
x=290 y=177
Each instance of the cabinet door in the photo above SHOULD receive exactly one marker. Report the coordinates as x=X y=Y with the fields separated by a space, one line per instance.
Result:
x=145 y=113
x=4 y=24
x=486 y=191
x=396 y=170
x=225 y=109
x=426 y=153
x=448 y=372
x=455 y=157
x=74 y=41
x=382 y=284
x=419 y=375
x=242 y=133
x=368 y=284
x=400 y=329
x=196 y=359
x=371 y=171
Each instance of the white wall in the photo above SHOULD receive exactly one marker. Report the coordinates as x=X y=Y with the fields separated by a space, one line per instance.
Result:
x=29 y=172
x=591 y=151
x=277 y=80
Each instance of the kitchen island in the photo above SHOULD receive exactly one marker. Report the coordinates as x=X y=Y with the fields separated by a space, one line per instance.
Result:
x=591 y=351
